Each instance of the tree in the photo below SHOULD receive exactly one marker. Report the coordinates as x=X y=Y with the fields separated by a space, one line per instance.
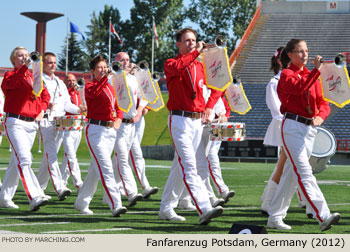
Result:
x=225 y=17
x=98 y=34
x=77 y=60
x=169 y=17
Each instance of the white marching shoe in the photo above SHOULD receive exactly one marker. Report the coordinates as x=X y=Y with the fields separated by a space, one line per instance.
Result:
x=8 y=204
x=37 y=202
x=278 y=224
x=332 y=219
x=133 y=199
x=216 y=202
x=170 y=215
x=116 y=212
x=85 y=211
x=227 y=195
x=212 y=213
x=149 y=191
x=186 y=204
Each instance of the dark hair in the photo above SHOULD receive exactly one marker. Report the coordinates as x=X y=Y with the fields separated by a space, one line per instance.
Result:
x=274 y=65
x=179 y=33
x=46 y=54
x=289 y=48
x=95 y=61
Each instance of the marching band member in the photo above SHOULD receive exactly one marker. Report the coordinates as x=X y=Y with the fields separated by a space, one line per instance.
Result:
x=104 y=119
x=60 y=103
x=126 y=134
x=272 y=135
x=187 y=108
x=1 y=113
x=23 y=112
x=136 y=160
x=71 y=139
x=304 y=108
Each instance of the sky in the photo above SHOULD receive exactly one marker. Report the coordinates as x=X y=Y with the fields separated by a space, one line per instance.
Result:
x=18 y=30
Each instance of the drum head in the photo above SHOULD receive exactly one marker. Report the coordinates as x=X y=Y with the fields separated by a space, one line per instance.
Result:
x=325 y=144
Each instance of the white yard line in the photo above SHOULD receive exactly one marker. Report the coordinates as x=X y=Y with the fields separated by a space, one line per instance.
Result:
x=33 y=224
x=86 y=230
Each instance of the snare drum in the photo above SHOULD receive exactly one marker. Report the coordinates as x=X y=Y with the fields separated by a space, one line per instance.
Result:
x=323 y=149
x=71 y=122
x=2 y=128
x=227 y=131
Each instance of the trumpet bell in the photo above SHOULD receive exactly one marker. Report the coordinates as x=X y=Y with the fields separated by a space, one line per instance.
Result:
x=220 y=41
x=236 y=79
x=143 y=65
x=80 y=82
x=156 y=76
x=340 y=60
x=116 y=66
x=34 y=56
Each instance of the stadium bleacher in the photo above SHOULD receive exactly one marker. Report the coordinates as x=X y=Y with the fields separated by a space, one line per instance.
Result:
x=325 y=33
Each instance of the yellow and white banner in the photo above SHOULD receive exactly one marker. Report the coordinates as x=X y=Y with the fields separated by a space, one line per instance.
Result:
x=122 y=91
x=159 y=104
x=148 y=91
x=335 y=84
x=217 y=68
x=37 y=67
x=237 y=99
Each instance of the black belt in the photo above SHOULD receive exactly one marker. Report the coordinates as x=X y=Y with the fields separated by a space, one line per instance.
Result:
x=298 y=118
x=127 y=120
x=194 y=115
x=46 y=116
x=108 y=124
x=23 y=118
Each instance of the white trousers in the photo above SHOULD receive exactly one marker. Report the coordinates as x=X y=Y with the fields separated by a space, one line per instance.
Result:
x=70 y=165
x=136 y=160
x=49 y=167
x=21 y=136
x=298 y=140
x=122 y=146
x=215 y=168
x=100 y=141
x=186 y=134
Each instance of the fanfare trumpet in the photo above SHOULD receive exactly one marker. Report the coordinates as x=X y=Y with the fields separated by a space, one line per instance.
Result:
x=79 y=84
x=116 y=66
x=156 y=76
x=339 y=60
x=220 y=41
x=34 y=56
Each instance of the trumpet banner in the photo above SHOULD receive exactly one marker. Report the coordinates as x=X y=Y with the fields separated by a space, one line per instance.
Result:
x=159 y=104
x=216 y=68
x=335 y=84
x=237 y=99
x=146 y=85
x=37 y=67
x=122 y=91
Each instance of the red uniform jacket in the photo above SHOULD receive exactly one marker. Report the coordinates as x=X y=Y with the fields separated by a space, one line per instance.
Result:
x=74 y=97
x=299 y=88
x=184 y=76
x=19 y=99
x=101 y=101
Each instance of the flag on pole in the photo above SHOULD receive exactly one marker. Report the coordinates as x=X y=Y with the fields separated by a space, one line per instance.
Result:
x=74 y=28
x=112 y=30
x=155 y=32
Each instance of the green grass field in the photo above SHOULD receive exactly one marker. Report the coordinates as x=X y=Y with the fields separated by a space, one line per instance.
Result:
x=247 y=179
